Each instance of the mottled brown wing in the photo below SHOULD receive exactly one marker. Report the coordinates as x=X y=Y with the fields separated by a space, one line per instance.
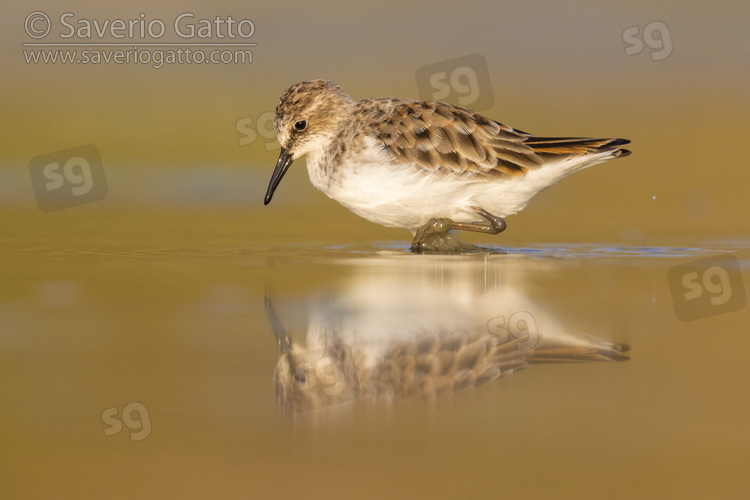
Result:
x=443 y=138
x=461 y=360
x=448 y=139
x=447 y=363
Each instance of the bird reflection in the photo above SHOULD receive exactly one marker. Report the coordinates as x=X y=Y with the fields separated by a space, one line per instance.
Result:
x=405 y=330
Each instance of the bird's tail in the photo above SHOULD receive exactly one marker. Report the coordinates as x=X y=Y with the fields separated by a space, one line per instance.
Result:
x=578 y=348
x=561 y=147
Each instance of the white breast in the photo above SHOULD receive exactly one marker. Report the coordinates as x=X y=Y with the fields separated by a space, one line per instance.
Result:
x=397 y=195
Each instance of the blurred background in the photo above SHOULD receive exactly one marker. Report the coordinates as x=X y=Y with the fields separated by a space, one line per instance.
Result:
x=136 y=356
x=188 y=136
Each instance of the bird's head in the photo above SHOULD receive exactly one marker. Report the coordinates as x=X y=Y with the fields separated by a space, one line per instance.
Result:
x=307 y=119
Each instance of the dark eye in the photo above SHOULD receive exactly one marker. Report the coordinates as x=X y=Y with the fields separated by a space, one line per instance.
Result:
x=300 y=377
x=300 y=125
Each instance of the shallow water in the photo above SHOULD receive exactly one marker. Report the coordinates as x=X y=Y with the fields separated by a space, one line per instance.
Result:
x=178 y=338
x=142 y=322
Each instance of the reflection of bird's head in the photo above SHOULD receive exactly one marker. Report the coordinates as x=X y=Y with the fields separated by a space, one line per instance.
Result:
x=314 y=379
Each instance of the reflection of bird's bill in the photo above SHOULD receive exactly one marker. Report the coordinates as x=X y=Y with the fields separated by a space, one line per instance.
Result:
x=397 y=328
x=278 y=328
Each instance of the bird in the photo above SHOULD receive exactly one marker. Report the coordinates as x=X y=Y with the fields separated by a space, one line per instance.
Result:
x=426 y=166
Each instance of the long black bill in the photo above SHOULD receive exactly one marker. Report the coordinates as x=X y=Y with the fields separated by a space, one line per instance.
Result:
x=285 y=160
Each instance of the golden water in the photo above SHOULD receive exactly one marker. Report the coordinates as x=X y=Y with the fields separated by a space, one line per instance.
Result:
x=165 y=312
x=150 y=301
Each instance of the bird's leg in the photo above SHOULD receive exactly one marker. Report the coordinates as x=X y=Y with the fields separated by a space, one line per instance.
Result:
x=496 y=224
x=434 y=237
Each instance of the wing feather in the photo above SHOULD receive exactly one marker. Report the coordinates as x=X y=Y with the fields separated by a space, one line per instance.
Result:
x=445 y=139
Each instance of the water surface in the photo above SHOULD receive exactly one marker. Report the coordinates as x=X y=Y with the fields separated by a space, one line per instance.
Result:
x=178 y=336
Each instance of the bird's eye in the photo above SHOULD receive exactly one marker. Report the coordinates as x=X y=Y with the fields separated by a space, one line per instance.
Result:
x=300 y=125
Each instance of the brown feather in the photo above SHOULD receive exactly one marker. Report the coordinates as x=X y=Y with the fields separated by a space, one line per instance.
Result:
x=451 y=140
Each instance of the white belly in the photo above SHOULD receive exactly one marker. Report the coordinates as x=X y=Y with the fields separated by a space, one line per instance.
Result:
x=401 y=196
x=394 y=196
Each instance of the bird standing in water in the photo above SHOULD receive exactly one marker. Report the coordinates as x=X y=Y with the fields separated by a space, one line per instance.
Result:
x=425 y=166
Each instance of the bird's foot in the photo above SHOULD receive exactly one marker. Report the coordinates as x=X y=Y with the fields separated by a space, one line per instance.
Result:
x=435 y=237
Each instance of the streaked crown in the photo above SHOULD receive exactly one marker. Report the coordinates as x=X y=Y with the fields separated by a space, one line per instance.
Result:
x=309 y=114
